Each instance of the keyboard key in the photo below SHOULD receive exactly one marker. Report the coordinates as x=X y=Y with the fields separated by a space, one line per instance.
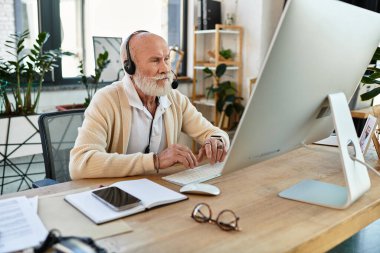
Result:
x=196 y=175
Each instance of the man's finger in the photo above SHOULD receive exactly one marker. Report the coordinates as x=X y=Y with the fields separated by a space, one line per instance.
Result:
x=223 y=155
x=219 y=154
x=190 y=156
x=214 y=150
x=208 y=149
x=194 y=158
x=201 y=154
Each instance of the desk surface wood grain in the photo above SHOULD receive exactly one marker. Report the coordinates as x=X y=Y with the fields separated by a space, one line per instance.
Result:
x=269 y=223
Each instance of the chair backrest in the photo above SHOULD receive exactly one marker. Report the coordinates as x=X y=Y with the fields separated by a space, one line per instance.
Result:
x=58 y=131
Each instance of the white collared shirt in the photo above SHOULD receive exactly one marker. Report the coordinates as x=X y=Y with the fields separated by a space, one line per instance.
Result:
x=142 y=120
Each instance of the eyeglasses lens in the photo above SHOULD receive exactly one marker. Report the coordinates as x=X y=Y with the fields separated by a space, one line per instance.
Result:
x=202 y=213
x=227 y=220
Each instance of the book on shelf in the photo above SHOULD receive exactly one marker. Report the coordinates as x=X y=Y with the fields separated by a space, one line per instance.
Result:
x=200 y=15
x=208 y=14
x=211 y=14
x=151 y=195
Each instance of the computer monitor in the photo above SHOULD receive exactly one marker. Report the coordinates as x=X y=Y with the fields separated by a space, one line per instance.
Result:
x=320 y=47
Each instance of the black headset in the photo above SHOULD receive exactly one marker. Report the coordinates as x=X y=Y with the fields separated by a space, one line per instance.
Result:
x=130 y=66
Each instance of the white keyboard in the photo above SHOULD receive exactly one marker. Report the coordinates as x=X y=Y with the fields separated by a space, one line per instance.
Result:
x=197 y=175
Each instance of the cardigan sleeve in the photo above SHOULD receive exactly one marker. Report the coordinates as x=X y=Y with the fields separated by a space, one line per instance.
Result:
x=99 y=149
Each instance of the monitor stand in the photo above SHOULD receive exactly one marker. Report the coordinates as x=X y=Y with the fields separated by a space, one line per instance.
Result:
x=356 y=174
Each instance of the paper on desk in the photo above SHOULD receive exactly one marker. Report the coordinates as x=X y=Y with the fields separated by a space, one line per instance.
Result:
x=34 y=203
x=56 y=213
x=20 y=227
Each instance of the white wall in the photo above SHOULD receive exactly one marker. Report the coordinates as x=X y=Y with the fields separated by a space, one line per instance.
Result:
x=50 y=99
x=103 y=19
x=7 y=24
x=249 y=15
x=260 y=23
x=271 y=13
x=259 y=18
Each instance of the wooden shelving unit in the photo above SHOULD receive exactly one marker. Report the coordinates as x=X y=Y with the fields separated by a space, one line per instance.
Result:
x=211 y=40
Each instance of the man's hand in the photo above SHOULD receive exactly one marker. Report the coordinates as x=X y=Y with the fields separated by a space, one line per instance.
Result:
x=213 y=149
x=177 y=154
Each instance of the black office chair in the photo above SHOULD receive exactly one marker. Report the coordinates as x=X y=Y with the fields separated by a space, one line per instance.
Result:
x=58 y=131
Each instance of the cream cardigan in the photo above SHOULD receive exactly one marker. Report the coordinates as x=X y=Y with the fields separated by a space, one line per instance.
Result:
x=101 y=145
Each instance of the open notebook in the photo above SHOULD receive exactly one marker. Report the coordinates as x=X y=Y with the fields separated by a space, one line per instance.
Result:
x=150 y=193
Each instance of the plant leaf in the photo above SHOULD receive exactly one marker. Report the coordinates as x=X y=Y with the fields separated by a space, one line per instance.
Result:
x=20 y=49
x=370 y=94
x=374 y=69
x=229 y=110
x=11 y=53
x=226 y=53
x=10 y=46
x=220 y=105
x=230 y=92
x=367 y=80
x=220 y=70
x=207 y=71
x=375 y=75
x=239 y=108
x=230 y=98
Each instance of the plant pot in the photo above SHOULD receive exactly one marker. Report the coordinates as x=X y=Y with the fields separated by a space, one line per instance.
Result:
x=19 y=136
x=61 y=108
x=20 y=153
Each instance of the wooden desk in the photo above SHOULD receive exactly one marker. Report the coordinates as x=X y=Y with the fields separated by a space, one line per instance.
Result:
x=269 y=223
x=363 y=113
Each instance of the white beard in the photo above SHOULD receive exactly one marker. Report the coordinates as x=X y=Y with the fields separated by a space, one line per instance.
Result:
x=149 y=86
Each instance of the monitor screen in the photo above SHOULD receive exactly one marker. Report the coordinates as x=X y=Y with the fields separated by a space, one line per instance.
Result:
x=319 y=48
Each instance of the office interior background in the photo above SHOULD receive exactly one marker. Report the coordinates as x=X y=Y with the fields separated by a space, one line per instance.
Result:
x=72 y=25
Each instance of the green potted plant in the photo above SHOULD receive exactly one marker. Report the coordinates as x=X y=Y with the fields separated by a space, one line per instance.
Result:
x=21 y=79
x=91 y=83
x=23 y=75
x=226 y=54
x=372 y=76
x=227 y=103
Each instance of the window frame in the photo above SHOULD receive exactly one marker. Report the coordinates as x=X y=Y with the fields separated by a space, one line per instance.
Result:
x=184 y=15
x=49 y=21
x=183 y=34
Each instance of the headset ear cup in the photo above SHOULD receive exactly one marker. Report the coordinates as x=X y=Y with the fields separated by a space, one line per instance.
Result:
x=132 y=68
x=129 y=67
x=125 y=66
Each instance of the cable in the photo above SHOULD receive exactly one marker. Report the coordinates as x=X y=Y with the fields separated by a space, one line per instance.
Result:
x=365 y=164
